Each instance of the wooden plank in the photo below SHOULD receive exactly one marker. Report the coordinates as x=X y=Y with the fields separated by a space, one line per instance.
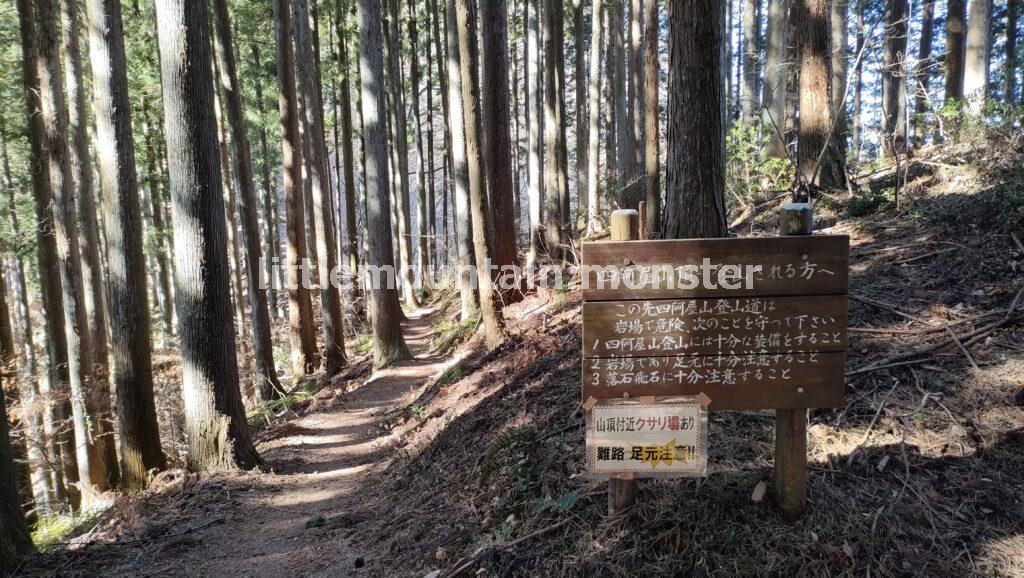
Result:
x=714 y=326
x=733 y=382
x=810 y=265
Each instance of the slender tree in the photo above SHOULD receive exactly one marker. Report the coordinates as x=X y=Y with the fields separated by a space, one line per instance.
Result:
x=819 y=160
x=956 y=48
x=594 y=120
x=979 y=23
x=490 y=301
x=422 y=253
x=557 y=190
x=840 y=9
x=582 y=118
x=695 y=186
x=922 y=73
x=46 y=257
x=215 y=426
x=388 y=343
x=497 y=136
x=300 y=309
x=154 y=177
x=776 y=77
x=351 y=241
x=752 y=55
x=126 y=277
x=894 y=49
x=319 y=166
x=535 y=131
x=85 y=398
x=858 y=83
x=652 y=164
x=1010 y=71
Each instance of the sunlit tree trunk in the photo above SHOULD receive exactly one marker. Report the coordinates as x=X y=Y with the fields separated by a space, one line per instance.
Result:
x=535 y=131
x=216 y=429
x=388 y=344
x=422 y=252
x=956 y=47
x=651 y=161
x=813 y=142
x=348 y=157
x=154 y=174
x=839 y=72
x=557 y=189
x=593 y=203
x=922 y=75
x=752 y=55
x=305 y=358
x=858 y=84
x=976 y=61
x=139 y=436
x=894 y=50
x=490 y=301
x=776 y=77
x=695 y=164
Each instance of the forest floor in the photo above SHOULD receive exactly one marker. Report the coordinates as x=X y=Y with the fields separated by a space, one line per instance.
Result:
x=464 y=462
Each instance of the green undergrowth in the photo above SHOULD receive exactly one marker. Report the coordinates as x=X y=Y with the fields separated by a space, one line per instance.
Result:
x=50 y=530
x=266 y=410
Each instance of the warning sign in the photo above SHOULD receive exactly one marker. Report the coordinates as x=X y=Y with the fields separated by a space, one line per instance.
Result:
x=660 y=439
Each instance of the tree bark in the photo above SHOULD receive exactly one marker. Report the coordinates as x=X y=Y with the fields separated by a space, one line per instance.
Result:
x=215 y=425
x=1010 y=73
x=858 y=84
x=611 y=166
x=305 y=358
x=85 y=398
x=956 y=48
x=497 y=139
x=535 y=132
x=752 y=55
x=695 y=186
x=922 y=75
x=139 y=437
x=19 y=441
x=267 y=383
x=776 y=78
x=15 y=540
x=330 y=297
x=490 y=302
x=651 y=161
x=348 y=157
x=894 y=50
x=582 y=118
x=401 y=144
x=594 y=119
x=557 y=189
x=423 y=253
x=840 y=9
x=460 y=174
x=388 y=343
x=813 y=142
x=976 y=60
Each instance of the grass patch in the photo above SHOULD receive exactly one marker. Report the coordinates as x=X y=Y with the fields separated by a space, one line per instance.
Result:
x=51 y=530
x=448 y=333
x=361 y=345
x=266 y=410
x=452 y=374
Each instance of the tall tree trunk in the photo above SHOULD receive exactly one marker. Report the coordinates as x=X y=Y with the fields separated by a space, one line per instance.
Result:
x=651 y=161
x=582 y=118
x=979 y=22
x=490 y=302
x=388 y=344
x=92 y=266
x=557 y=190
x=19 y=441
x=442 y=81
x=85 y=404
x=267 y=383
x=894 y=52
x=594 y=120
x=154 y=167
x=272 y=235
x=423 y=253
x=813 y=142
x=32 y=404
x=431 y=176
x=752 y=54
x=1010 y=73
x=460 y=173
x=401 y=144
x=922 y=74
x=215 y=425
x=956 y=48
x=351 y=241
x=776 y=77
x=695 y=185
x=15 y=540
x=636 y=97
x=309 y=93
x=305 y=358
x=611 y=166
x=535 y=131
x=625 y=152
x=126 y=282
x=840 y=9
x=63 y=439
x=497 y=140
x=858 y=83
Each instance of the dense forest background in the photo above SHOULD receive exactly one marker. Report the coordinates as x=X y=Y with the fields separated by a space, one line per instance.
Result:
x=166 y=167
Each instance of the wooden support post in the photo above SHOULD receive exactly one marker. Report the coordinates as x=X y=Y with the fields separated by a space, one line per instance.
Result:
x=625 y=226
x=791 y=424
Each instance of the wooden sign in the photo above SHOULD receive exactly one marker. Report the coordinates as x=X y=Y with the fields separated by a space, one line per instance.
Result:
x=754 y=323
x=663 y=438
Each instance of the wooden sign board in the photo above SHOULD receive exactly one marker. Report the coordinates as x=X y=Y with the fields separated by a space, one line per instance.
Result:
x=754 y=323
x=665 y=438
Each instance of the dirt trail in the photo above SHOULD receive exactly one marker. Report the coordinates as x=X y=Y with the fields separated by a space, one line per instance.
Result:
x=314 y=470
